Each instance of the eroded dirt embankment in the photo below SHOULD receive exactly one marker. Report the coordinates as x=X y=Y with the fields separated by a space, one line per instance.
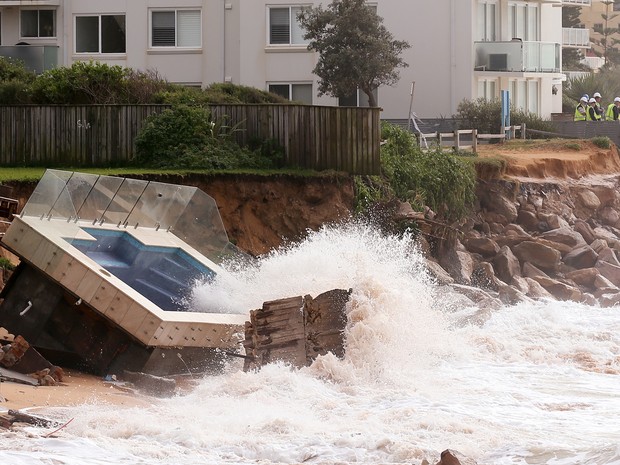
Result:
x=260 y=213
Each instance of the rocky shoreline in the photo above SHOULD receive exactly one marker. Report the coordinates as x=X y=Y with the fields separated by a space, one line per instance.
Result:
x=536 y=240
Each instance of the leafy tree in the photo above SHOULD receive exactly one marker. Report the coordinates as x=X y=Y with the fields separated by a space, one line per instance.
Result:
x=356 y=50
x=606 y=43
x=571 y=57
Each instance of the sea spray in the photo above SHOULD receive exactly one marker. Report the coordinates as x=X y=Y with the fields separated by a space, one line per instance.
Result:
x=534 y=383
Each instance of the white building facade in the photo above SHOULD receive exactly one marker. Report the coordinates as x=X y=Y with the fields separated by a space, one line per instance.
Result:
x=460 y=49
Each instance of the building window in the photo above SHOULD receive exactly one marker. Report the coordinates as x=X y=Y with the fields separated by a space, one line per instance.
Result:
x=616 y=5
x=284 y=29
x=296 y=92
x=176 y=28
x=523 y=19
x=487 y=89
x=524 y=95
x=38 y=23
x=357 y=99
x=487 y=20
x=100 y=34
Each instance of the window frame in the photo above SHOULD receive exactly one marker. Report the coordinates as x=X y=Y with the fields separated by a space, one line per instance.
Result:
x=290 y=43
x=99 y=38
x=176 y=29
x=290 y=89
x=39 y=36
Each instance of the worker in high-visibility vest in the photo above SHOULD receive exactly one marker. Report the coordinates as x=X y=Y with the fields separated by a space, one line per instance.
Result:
x=581 y=111
x=613 y=110
x=598 y=107
x=592 y=114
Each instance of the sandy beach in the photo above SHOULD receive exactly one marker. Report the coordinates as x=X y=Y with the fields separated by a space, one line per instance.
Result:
x=77 y=388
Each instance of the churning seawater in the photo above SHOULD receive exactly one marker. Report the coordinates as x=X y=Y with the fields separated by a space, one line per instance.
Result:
x=526 y=384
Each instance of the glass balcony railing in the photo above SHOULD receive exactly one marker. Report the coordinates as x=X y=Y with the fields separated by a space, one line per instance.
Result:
x=577 y=2
x=37 y=58
x=575 y=37
x=518 y=56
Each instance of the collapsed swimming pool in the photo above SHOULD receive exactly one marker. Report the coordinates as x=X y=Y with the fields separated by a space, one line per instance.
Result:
x=164 y=275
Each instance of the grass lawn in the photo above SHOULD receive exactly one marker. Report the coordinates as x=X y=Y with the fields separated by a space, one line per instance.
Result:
x=35 y=174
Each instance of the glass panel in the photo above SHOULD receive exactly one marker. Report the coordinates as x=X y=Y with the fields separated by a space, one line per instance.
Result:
x=297 y=32
x=163 y=34
x=279 y=30
x=30 y=23
x=481 y=23
x=99 y=198
x=481 y=89
x=160 y=204
x=124 y=201
x=87 y=34
x=113 y=34
x=491 y=93
x=201 y=226
x=47 y=23
x=283 y=90
x=302 y=93
x=49 y=189
x=521 y=95
x=189 y=29
x=491 y=22
x=532 y=23
x=520 y=23
x=532 y=97
x=79 y=187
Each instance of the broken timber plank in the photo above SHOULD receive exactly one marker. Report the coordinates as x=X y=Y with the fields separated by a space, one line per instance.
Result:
x=296 y=330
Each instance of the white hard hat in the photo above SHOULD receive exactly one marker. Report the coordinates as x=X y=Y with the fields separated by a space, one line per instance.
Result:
x=617 y=99
x=584 y=99
x=596 y=94
x=592 y=100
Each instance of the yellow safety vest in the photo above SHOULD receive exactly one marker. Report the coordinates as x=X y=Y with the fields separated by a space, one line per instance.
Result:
x=578 y=115
x=597 y=117
x=610 y=112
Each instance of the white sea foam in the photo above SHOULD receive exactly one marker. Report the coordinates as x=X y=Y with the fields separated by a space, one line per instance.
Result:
x=532 y=384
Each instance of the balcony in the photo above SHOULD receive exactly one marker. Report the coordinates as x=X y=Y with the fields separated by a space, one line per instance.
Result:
x=577 y=2
x=29 y=3
x=37 y=58
x=518 y=56
x=574 y=37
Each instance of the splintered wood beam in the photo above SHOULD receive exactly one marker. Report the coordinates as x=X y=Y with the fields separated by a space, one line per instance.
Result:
x=296 y=330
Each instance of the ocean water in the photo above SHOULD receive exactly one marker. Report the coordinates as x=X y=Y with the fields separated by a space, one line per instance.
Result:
x=526 y=384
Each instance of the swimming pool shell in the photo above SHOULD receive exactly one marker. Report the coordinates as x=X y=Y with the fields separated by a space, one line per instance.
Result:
x=164 y=275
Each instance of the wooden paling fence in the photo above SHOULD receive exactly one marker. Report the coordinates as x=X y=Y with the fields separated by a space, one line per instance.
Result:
x=313 y=137
x=70 y=135
x=454 y=139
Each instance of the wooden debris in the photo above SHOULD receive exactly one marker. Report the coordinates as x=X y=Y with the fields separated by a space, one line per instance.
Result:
x=13 y=352
x=296 y=330
x=14 y=416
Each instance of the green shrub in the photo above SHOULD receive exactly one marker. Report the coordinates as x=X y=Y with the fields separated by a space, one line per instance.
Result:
x=15 y=81
x=602 y=142
x=485 y=116
x=6 y=264
x=96 y=83
x=433 y=178
x=187 y=137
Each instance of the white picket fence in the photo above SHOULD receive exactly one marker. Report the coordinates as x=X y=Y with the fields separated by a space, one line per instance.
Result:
x=454 y=140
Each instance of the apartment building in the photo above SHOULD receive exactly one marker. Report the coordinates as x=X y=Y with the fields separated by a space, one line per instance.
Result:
x=603 y=14
x=460 y=49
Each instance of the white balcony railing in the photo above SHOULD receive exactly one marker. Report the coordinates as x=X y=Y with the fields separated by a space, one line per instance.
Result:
x=575 y=37
x=577 y=2
x=518 y=56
